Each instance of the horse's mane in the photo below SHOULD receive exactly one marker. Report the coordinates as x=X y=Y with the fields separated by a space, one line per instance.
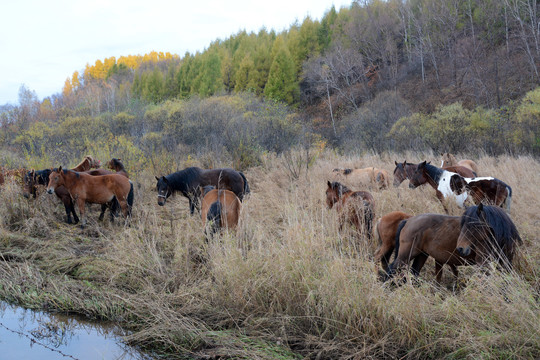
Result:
x=189 y=176
x=502 y=227
x=338 y=185
x=433 y=172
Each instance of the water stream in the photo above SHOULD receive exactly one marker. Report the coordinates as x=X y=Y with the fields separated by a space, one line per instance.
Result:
x=34 y=335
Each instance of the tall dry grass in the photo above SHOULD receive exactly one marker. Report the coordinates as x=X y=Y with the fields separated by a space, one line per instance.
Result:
x=287 y=284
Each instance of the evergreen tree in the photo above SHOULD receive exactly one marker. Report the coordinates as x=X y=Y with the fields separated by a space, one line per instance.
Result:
x=282 y=84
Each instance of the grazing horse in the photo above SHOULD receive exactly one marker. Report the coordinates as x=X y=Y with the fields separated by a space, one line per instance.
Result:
x=355 y=207
x=386 y=229
x=447 y=184
x=363 y=177
x=85 y=188
x=426 y=235
x=221 y=208
x=406 y=170
x=449 y=160
x=41 y=177
x=490 y=233
x=189 y=180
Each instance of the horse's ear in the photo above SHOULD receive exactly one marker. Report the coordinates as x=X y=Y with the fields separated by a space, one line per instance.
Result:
x=422 y=165
x=60 y=169
x=395 y=162
x=156 y=178
x=480 y=208
x=329 y=183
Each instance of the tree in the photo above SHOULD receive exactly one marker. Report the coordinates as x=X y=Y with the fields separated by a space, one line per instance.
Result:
x=282 y=84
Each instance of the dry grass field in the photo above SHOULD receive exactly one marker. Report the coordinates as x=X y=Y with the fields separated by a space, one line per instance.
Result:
x=287 y=284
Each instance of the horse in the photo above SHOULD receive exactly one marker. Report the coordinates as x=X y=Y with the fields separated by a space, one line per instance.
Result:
x=449 y=160
x=488 y=190
x=406 y=170
x=188 y=181
x=386 y=229
x=85 y=188
x=426 y=235
x=363 y=177
x=41 y=177
x=116 y=165
x=221 y=208
x=490 y=233
x=355 y=207
x=447 y=183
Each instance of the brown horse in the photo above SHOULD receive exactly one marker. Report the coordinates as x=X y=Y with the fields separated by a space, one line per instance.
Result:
x=85 y=188
x=426 y=235
x=355 y=207
x=386 y=231
x=41 y=177
x=490 y=233
x=367 y=177
x=405 y=170
x=449 y=160
x=221 y=208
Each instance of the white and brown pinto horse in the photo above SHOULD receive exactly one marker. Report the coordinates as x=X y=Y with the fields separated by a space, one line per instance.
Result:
x=487 y=190
x=361 y=178
x=449 y=160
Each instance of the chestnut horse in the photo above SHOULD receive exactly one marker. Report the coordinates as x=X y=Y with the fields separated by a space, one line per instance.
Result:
x=188 y=181
x=85 y=188
x=355 y=207
x=426 y=235
x=386 y=229
x=490 y=233
x=221 y=208
x=406 y=170
x=116 y=165
x=41 y=177
x=449 y=160
x=448 y=184
x=363 y=177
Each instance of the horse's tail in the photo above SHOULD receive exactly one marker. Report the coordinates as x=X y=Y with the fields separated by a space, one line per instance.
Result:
x=246 y=185
x=130 y=197
x=214 y=217
x=398 y=232
x=508 y=200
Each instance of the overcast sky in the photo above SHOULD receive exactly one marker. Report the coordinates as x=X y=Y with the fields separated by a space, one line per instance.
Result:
x=43 y=42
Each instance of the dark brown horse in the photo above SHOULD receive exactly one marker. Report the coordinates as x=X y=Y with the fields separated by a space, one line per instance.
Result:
x=405 y=170
x=118 y=166
x=426 y=235
x=354 y=207
x=41 y=177
x=490 y=233
x=221 y=208
x=189 y=181
x=386 y=231
x=85 y=188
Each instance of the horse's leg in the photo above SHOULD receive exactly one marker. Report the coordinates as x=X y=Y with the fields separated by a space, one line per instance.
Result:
x=418 y=263
x=438 y=271
x=103 y=209
x=191 y=206
x=81 y=204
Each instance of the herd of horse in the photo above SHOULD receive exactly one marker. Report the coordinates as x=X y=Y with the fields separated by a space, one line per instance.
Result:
x=484 y=231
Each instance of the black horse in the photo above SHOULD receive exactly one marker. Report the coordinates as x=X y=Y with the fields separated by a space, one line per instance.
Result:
x=189 y=181
x=489 y=231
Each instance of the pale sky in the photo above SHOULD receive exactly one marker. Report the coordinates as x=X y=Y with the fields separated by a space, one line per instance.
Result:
x=43 y=42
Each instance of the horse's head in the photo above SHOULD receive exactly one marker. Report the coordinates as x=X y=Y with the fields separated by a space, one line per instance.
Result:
x=113 y=164
x=29 y=184
x=474 y=230
x=56 y=178
x=419 y=177
x=94 y=163
x=400 y=174
x=334 y=192
x=163 y=190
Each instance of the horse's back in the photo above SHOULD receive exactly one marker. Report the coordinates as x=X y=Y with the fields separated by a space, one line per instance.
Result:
x=461 y=170
x=469 y=164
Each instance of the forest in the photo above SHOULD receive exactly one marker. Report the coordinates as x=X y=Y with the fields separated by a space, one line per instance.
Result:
x=376 y=76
